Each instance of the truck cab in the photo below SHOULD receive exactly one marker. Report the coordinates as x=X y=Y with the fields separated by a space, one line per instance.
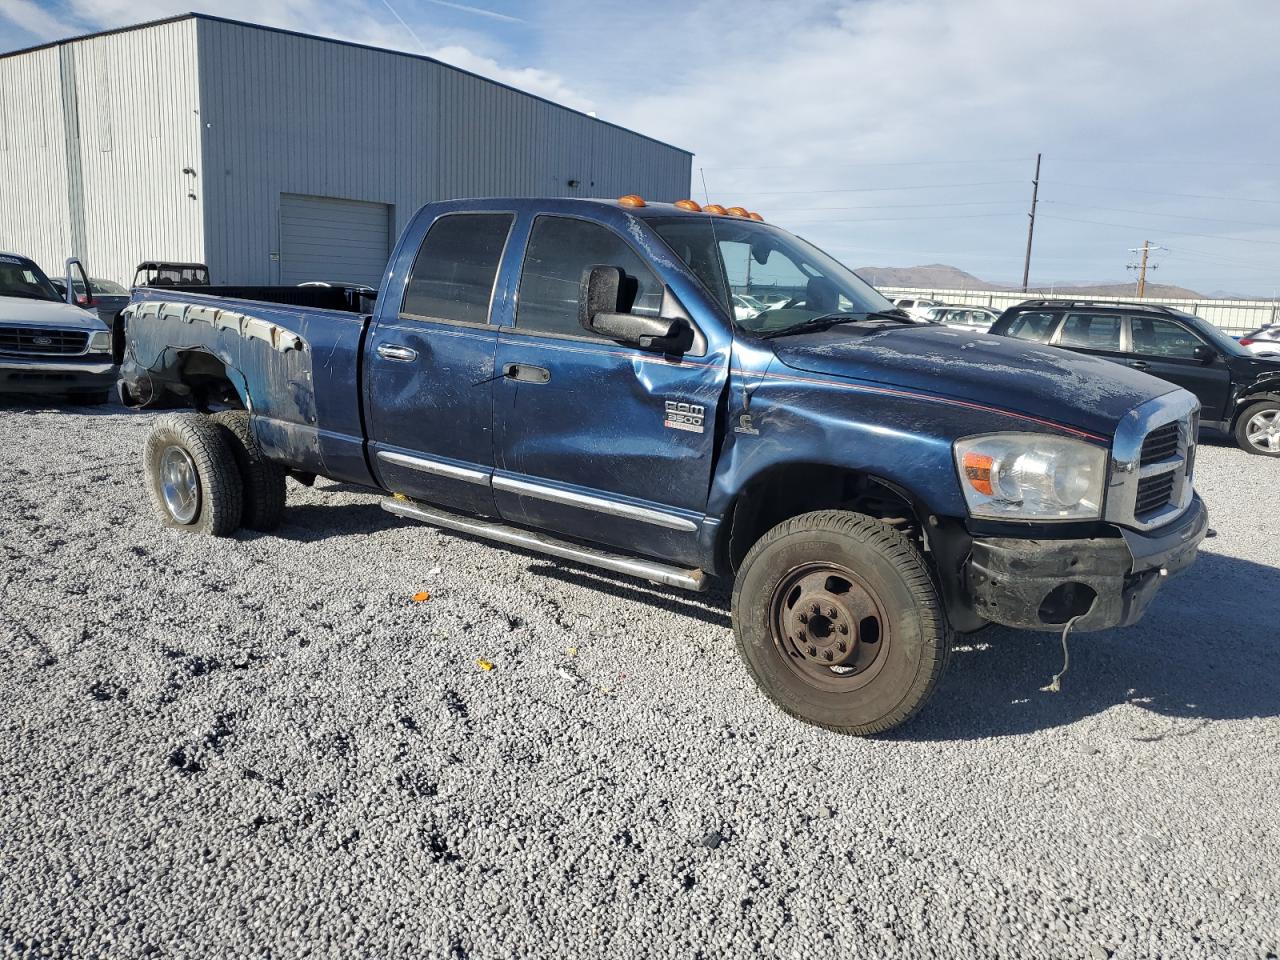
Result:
x=571 y=376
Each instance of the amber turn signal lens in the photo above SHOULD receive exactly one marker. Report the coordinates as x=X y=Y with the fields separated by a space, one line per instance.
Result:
x=631 y=200
x=691 y=205
x=752 y=215
x=977 y=470
x=713 y=208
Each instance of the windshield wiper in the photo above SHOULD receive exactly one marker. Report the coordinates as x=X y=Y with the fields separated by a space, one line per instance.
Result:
x=831 y=319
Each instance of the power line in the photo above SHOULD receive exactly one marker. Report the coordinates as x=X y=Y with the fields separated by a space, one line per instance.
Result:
x=867 y=163
x=1181 y=233
x=960 y=216
x=895 y=206
x=916 y=186
x=1154 y=213
x=1163 y=193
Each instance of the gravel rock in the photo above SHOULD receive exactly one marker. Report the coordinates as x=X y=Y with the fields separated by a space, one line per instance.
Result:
x=260 y=746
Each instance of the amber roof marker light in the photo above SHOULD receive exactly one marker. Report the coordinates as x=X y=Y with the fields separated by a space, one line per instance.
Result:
x=752 y=215
x=737 y=212
x=714 y=208
x=632 y=200
x=691 y=205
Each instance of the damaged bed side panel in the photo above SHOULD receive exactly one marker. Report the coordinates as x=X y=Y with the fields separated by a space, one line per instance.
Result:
x=295 y=370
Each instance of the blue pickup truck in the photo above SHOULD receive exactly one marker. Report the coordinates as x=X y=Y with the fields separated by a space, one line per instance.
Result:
x=571 y=377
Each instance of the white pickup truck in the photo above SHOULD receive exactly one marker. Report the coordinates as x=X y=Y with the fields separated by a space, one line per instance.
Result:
x=49 y=345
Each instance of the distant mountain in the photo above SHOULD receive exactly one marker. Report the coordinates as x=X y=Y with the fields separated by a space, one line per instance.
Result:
x=942 y=276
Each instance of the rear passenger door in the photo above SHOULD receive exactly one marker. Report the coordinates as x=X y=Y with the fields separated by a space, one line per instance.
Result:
x=1166 y=349
x=595 y=439
x=1097 y=334
x=429 y=367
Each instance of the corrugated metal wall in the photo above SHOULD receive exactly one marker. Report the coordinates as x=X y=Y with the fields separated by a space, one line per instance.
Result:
x=288 y=114
x=97 y=133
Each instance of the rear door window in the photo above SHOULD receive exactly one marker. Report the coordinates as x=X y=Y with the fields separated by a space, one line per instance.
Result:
x=1033 y=326
x=1087 y=331
x=1153 y=337
x=453 y=275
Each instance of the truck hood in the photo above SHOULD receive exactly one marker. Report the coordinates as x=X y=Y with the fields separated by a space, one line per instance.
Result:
x=1043 y=382
x=47 y=313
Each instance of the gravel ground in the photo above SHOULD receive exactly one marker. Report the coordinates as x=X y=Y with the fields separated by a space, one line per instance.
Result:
x=263 y=746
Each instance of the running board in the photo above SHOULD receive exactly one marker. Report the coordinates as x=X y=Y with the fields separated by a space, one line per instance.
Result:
x=632 y=566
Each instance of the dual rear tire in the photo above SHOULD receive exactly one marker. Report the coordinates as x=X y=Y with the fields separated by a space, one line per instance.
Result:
x=207 y=474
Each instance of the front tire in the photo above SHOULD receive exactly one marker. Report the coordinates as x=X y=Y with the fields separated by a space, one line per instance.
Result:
x=839 y=622
x=192 y=475
x=1258 y=429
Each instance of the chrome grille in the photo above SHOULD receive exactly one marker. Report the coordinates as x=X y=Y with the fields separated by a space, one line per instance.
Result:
x=1161 y=444
x=43 y=342
x=1152 y=462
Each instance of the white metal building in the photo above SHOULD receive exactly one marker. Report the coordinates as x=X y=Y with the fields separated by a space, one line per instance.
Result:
x=275 y=157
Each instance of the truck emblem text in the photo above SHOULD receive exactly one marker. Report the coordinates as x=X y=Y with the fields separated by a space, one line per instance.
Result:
x=684 y=416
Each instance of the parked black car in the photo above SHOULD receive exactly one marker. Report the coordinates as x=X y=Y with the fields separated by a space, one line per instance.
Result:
x=1239 y=392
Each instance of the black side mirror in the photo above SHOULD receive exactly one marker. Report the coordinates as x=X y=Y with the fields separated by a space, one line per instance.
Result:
x=599 y=297
x=1204 y=354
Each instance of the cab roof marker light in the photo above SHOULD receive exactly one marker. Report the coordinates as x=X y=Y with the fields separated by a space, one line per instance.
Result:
x=737 y=212
x=691 y=205
x=752 y=215
x=631 y=200
x=714 y=208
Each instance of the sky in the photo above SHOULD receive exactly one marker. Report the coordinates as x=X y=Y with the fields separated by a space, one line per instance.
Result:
x=889 y=132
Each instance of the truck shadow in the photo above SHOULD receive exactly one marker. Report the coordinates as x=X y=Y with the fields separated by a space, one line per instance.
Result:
x=1208 y=649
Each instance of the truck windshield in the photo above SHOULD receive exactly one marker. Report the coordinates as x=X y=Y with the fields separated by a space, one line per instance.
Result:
x=22 y=278
x=767 y=279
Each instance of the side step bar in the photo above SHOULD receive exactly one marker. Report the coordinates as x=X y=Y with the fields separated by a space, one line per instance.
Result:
x=619 y=563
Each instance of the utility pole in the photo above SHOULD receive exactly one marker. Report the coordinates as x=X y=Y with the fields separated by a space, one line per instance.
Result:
x=1142 y=265
x=1031 y=226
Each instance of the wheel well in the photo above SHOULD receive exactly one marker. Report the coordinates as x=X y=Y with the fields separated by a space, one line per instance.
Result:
x=203 y=381
x=1247 y=401
x=792 y=489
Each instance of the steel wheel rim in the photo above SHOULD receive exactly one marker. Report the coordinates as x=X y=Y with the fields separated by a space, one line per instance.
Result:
x=842 y=646
x=179 y=484
x=1263 y=430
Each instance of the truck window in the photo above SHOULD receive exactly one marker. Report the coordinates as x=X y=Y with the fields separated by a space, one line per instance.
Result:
x=453 y=274
x=1090 y=332
x=1163 y=338
x=1032 y=326
x=560 y=248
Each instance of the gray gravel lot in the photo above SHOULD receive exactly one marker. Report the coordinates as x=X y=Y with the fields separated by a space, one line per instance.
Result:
x=263 y=746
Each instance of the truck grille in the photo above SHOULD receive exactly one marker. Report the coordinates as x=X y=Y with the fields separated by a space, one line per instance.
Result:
x=1152 y=462
x=1154 y=492
x=43 y=342
x=1161 y=444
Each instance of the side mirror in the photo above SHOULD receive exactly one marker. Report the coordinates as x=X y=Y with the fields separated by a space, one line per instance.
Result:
x=1204 y=354
x=599 y=300
x=74 y=297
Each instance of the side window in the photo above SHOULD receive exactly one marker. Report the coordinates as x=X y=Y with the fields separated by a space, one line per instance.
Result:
x=1032 y=326
x=453 y=274
x=1090 y=332
x=1153 y=337
x=559 y=250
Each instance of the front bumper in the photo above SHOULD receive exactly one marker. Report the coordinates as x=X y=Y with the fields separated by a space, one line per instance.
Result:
x=23 y=375
x=1106 y=582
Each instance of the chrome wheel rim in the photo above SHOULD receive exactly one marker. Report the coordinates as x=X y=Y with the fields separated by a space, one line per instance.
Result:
x=179 y=484
x=1263 y=431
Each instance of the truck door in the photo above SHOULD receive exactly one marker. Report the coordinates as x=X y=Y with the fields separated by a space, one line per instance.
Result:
x=428 y=368
x=596 y=439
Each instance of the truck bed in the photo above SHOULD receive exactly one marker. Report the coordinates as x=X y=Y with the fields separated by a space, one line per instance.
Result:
x=299 y=363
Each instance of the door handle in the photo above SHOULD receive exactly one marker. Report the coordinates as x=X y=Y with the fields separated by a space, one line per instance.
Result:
x=392 y=351
x=1139 y=364
x=526 y=373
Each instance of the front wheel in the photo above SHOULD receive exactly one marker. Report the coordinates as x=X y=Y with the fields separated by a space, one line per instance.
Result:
x=839 y=622
x=1258 y=429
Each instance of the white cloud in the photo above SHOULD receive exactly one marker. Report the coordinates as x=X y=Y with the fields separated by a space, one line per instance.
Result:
x=34 y=19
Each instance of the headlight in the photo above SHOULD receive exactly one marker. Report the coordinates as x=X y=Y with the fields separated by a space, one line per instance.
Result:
x=1031 y=476
x=100 y=342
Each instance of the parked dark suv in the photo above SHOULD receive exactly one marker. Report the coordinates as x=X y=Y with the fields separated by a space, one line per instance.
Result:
x=1239 y=391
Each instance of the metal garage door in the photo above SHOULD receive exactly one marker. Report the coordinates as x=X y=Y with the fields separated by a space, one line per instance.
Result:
x=338 y=241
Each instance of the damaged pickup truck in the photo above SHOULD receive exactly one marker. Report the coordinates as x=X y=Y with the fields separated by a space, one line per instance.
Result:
x=570 y=377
